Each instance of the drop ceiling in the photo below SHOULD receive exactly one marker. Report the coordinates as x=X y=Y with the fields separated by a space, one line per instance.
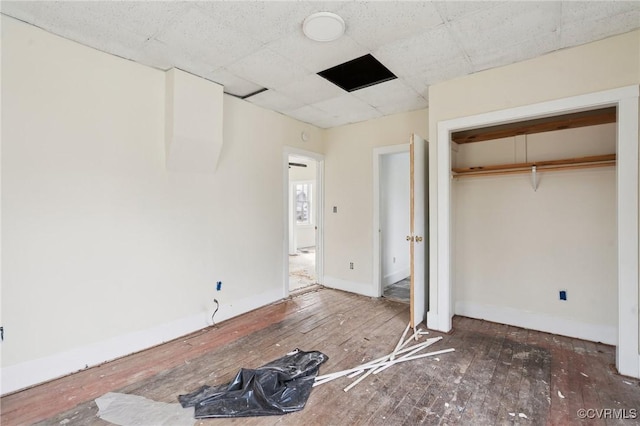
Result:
x=251 y=46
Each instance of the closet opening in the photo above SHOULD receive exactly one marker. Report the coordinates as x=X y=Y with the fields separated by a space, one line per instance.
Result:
x=442 y=286
x=534 y=224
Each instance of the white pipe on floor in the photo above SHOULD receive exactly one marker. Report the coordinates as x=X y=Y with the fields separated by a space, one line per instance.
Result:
x=396 y=361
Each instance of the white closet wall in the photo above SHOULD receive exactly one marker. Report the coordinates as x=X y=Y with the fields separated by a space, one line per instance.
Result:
x=516 y=248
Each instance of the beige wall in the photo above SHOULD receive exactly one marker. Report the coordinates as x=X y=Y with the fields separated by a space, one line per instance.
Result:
x=606 y=64
x=349 y=187
x=104 y=250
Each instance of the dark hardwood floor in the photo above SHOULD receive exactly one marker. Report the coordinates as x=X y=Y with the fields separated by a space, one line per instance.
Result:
x=498 y=374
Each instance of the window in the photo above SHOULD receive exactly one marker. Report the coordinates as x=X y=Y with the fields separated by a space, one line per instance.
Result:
x=303 y=203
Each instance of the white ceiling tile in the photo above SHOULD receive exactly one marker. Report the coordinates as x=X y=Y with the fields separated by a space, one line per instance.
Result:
x=198 y=34
x=232 y=83
x=264 y=21
x=584 y=11
x=268 y=69
x=402 y=105
x=515 y=53
x=273 y=100
x=419 y=83
x=335 y=122
x=157 y=54
x=389 y=92
x=434 y=55
x=452 y=10
x=349 y=107
x=580 y=32
x=310 y=114
x=311 y=89
x=317 y=56
x=506 y=25
x=372 y=24
x=88 y=18
x=85 y=22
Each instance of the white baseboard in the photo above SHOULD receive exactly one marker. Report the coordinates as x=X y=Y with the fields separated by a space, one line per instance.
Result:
x=396 y=276
x=29 y=373
x=538 y=321
x=366 y=289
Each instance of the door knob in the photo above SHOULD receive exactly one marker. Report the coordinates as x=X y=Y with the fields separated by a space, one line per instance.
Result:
x=418 y=239
x=409 y=238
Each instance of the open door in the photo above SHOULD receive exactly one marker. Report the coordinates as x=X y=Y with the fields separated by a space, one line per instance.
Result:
x=418 y=239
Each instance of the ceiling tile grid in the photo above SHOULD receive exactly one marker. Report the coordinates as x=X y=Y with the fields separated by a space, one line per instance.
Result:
x=434 y=55
x=249 y=46
x=317 y=56
x=275 y=101
x=311 y=89
x=373 y=24
x=268 y=69
x=232 y=83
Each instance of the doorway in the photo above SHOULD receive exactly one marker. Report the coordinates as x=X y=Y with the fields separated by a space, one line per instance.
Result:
x=303 y=220
x=416 y=240
x=395 y=262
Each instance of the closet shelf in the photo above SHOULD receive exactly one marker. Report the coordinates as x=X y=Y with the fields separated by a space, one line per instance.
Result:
x=564 y=164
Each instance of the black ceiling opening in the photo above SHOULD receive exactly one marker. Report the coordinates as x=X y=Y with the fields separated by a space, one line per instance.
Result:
x=358 y=73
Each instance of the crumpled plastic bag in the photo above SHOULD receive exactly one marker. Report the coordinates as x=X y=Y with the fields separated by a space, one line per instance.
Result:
x=279 y=387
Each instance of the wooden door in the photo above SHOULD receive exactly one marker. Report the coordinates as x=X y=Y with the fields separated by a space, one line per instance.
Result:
x=418 y=239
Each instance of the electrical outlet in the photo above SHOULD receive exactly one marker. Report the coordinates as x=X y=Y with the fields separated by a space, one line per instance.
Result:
x=563 y=294
x=350 y=265
x=335 y=209
x=394 y=260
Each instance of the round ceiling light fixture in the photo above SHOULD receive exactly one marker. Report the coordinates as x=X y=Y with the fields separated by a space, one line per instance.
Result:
x=323 y=26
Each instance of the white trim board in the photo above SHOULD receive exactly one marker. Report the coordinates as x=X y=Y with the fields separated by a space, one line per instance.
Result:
x=626 y=101
x=29 y=373
x=607 y=334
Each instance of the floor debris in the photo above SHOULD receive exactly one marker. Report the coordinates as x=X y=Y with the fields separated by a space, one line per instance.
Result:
x=409 y=353
x=279 y=387
x=132 y=410
x=560 y=395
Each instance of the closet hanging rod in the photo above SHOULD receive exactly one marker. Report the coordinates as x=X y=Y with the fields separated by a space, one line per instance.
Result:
x=528 y=165
x=609 y=163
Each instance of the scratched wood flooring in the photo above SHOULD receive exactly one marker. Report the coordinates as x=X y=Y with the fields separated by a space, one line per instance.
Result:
x=498 y=374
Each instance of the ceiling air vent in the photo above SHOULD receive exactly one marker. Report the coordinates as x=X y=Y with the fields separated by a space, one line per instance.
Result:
x=358 y=73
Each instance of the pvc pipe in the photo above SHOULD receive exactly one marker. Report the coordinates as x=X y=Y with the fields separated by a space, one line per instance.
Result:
x=406 y=330
x=424 y=345
x=324 y=379
x=360 y=368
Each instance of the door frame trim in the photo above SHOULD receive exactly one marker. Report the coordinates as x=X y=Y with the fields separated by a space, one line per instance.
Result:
x=319 y=211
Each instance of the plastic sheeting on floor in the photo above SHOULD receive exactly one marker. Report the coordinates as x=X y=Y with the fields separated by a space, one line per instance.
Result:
x=132 y=410
x=279 y=387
